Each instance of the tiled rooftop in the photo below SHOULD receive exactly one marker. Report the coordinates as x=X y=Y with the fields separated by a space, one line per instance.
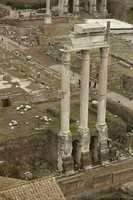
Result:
x=42 y=189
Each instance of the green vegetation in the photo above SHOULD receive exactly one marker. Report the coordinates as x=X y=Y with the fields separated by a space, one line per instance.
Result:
x=19 y=4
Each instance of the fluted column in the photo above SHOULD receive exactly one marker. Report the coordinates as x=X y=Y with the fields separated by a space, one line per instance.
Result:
x=84 y=99
x=65 y=162
x=66 y=6
x=94 y=6
x=102 y=90
x=101 y=126
x=65 y=89
x=84 y=92
x=47 y=17
x=76 y=6
x=104 y=7
x=61 y=5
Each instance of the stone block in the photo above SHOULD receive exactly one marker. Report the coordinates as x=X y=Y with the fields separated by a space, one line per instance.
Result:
x=85 y=160
x=68 y=165
x=102 y=181
x=6 y=78
x=104 y=155
x=123 y=176
x=73 y=186
x=87 y=28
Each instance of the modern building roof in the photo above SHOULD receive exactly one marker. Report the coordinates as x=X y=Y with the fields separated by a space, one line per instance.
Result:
x=41 y=189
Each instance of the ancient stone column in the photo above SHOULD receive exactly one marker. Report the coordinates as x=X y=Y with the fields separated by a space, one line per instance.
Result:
x=104 y=7
x=84 y=92
x=76 y=6
x=61 y=5
x=94 y=4
x=65 y=162
x=47 y=17
x=101 y=126
x=65 y=90
x=102 y=89
x=66 y=7
x=84 y=99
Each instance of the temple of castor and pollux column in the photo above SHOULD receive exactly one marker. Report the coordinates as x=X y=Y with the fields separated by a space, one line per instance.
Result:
x=83 y=39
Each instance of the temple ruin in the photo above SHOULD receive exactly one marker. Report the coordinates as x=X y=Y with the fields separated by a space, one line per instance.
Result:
x=85 y=38
x=72 y=6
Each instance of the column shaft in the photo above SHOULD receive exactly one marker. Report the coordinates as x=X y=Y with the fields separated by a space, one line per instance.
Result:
x=76 y=6
x=47 y=16
x=94 y=6
x=66 y=6
x=104 y=7
x=61 y=4
x=102 y=90
x=65 y=88
x=48 y=7
x=84 y=93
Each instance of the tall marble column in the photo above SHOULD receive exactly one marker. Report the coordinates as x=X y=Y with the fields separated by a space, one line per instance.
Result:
x=61 y=7
x=84 y=99
x=102 y=90
x=65 y=162
x=101 y=126
x=76 y=6
x=65 y=89
x=47 y=17
x=94 y=6
x=66 y=7
x=104 y=7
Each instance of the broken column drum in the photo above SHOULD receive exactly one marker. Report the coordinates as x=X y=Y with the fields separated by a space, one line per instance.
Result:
x=84 y=38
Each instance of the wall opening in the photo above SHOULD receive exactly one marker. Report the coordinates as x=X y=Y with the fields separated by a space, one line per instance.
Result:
x=76 y=154
x=94 y=150
x=6 y=102
x=70 y=6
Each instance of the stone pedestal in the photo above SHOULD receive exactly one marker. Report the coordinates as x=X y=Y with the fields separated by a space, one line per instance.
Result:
x=85 y=160
x=102 y=132
x=47 y=19
x=68 y=165
x=102 y=89
x=65 y=161
x=84 y=99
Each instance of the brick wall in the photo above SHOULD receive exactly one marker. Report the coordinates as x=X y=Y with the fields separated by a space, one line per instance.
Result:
x=29 y=149
x=71 y=187
x=105 y=180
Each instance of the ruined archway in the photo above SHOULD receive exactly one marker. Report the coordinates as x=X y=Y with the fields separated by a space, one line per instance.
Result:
x=94 y=150
x=70 y=6
x=76 y=154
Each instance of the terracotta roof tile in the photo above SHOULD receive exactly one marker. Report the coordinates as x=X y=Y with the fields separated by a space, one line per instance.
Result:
x=41 y=189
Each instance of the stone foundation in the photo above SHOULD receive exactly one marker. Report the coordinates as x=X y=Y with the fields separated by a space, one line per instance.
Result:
x=68 y=165
x=85 y=160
